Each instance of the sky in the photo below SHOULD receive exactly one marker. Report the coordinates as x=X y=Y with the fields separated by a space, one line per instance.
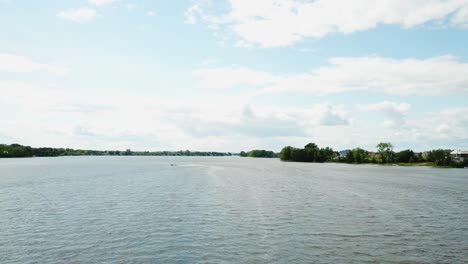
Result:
x=231 y=75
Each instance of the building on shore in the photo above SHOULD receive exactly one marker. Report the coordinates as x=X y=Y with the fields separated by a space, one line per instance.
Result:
x=459 y=154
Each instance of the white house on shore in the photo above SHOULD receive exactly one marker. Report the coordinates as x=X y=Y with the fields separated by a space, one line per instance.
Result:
x=459 y=154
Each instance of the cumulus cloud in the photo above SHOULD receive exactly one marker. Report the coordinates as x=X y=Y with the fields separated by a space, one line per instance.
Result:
x=447 y=123
x=82 y=14
x=331 y=116
x=196 y=12
x=461 y=17
x=73 y=107
x=100 y=2
x=189 y=124
x=262 y=122
x=433 y=76
x=191 y=14
x=229 y=77
x=293 y=20
x=82 y=131
x=248 y=123
x=20 y=64
x=71 y=119
x=394 y=113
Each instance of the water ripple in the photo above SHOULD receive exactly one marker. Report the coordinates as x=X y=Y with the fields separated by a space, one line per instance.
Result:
x=228 y=210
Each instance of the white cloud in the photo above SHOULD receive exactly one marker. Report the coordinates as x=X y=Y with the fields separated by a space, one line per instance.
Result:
x=21 y=64
x=331 y=116
x=100 y=2
x=150 y=13
x=82 y=14
x=64 y=118
x=394 y=113
x=260 y=122
x=293 y=20
x=220 y=123
x=386 y=106
x=433 y=76
x=461 y=17
x=229 y=77
x=191 y=14
x=240 y=122
x=447 y=123
x=196 y=11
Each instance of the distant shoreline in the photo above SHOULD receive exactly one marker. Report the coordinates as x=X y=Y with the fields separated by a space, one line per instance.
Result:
x=311 y=153
x=20 y=151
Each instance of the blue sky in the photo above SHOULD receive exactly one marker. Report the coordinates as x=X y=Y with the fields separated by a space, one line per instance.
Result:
x=234 y=75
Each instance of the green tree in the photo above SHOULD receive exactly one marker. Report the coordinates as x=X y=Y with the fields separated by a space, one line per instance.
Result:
x=311 y=146
x=325 y=154
x=298 y=155
x=385 y=150
x=357 y=155
x=311 y=152
x=285 y=153
x=406 y=156
x=15 y=151
x=261 y=153
x=440 y=157
x=360 y=155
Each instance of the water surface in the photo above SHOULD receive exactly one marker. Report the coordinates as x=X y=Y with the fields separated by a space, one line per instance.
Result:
x=229 y=210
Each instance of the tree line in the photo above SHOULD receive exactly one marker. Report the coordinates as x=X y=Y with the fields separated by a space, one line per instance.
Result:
x=19 y=151
x=384 y=155
x=258 y=153
x=310 y=153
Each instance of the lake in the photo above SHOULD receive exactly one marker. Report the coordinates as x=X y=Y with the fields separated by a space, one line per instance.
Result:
x=229 y=210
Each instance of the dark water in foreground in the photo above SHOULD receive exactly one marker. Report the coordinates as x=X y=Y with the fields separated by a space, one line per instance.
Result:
x=229 y=210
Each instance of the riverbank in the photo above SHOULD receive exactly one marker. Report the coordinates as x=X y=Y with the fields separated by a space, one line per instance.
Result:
x=20 y=151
